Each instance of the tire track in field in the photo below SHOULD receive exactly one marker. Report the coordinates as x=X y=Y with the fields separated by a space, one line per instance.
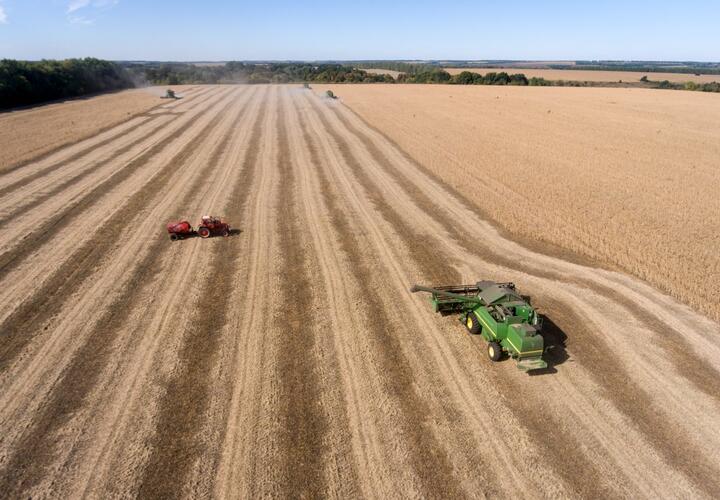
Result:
x=634 y=402
x=55 y=225
x=58 y=189
x=698 y=372
x=203 y=475
x=346 y=461
x=430 y=462
x=245 y=434
x=32 y=455
x=117 y=444
x=303 y=424
x=106 y=156
x=538 y=425
x=23 y=323
x=83 y=227
x=420 y=245
x=627 y=396
x=175 y=445
x=76 y=156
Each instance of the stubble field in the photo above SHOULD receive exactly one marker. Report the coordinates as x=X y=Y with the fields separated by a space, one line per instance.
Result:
x=29 y=134
x=289 y=359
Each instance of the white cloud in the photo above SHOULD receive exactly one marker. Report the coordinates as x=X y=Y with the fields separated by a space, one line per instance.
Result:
x=74 y=5
x=105 y=3
x=77 y=5
x=89 y=7
x=80 y=20
x=3 y=15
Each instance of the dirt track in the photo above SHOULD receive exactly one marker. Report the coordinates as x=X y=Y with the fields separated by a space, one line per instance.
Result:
x=289 y=359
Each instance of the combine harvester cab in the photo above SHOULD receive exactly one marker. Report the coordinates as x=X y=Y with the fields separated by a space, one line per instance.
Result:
x=497 y=312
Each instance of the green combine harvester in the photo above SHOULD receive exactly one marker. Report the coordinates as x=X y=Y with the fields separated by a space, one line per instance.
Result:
x=497 y=312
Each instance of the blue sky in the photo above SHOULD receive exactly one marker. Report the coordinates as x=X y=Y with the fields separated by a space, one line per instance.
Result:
x=225 y=30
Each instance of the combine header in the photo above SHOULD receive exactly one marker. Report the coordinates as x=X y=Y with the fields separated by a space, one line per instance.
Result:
x=497 y=312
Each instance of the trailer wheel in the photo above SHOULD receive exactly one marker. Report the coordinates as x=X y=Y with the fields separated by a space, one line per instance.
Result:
x=494 y=351
x=204 y=232
x=472 y=324
x=174 y=237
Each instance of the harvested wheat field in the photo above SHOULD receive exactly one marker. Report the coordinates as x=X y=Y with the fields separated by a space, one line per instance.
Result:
x=28 y=134
x=289 y=359
x=593 y=75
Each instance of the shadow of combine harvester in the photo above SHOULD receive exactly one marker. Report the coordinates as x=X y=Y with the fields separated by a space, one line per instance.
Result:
x=555 y=352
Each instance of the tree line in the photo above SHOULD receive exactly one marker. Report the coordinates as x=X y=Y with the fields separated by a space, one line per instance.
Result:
x=701 y=87
x=240 y=72
x=471 y=78
x=399 y=66
x=23 y=82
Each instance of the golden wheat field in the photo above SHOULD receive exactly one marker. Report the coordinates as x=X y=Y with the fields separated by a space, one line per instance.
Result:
x=627 y=177
x=593 y=76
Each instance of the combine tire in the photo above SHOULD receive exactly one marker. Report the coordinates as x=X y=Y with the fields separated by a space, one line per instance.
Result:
x=204 y=232
x=472 y=324
x=494 y=351
x=174 y=237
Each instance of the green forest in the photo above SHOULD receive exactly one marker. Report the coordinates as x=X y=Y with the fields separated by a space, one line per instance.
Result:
x=23 y=83
x=240 y=72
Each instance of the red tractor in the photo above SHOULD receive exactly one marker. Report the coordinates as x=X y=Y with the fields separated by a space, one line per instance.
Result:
x=209 y=226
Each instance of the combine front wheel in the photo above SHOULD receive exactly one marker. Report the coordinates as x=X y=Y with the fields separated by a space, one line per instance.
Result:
x=472 y=324
x=494 y=351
